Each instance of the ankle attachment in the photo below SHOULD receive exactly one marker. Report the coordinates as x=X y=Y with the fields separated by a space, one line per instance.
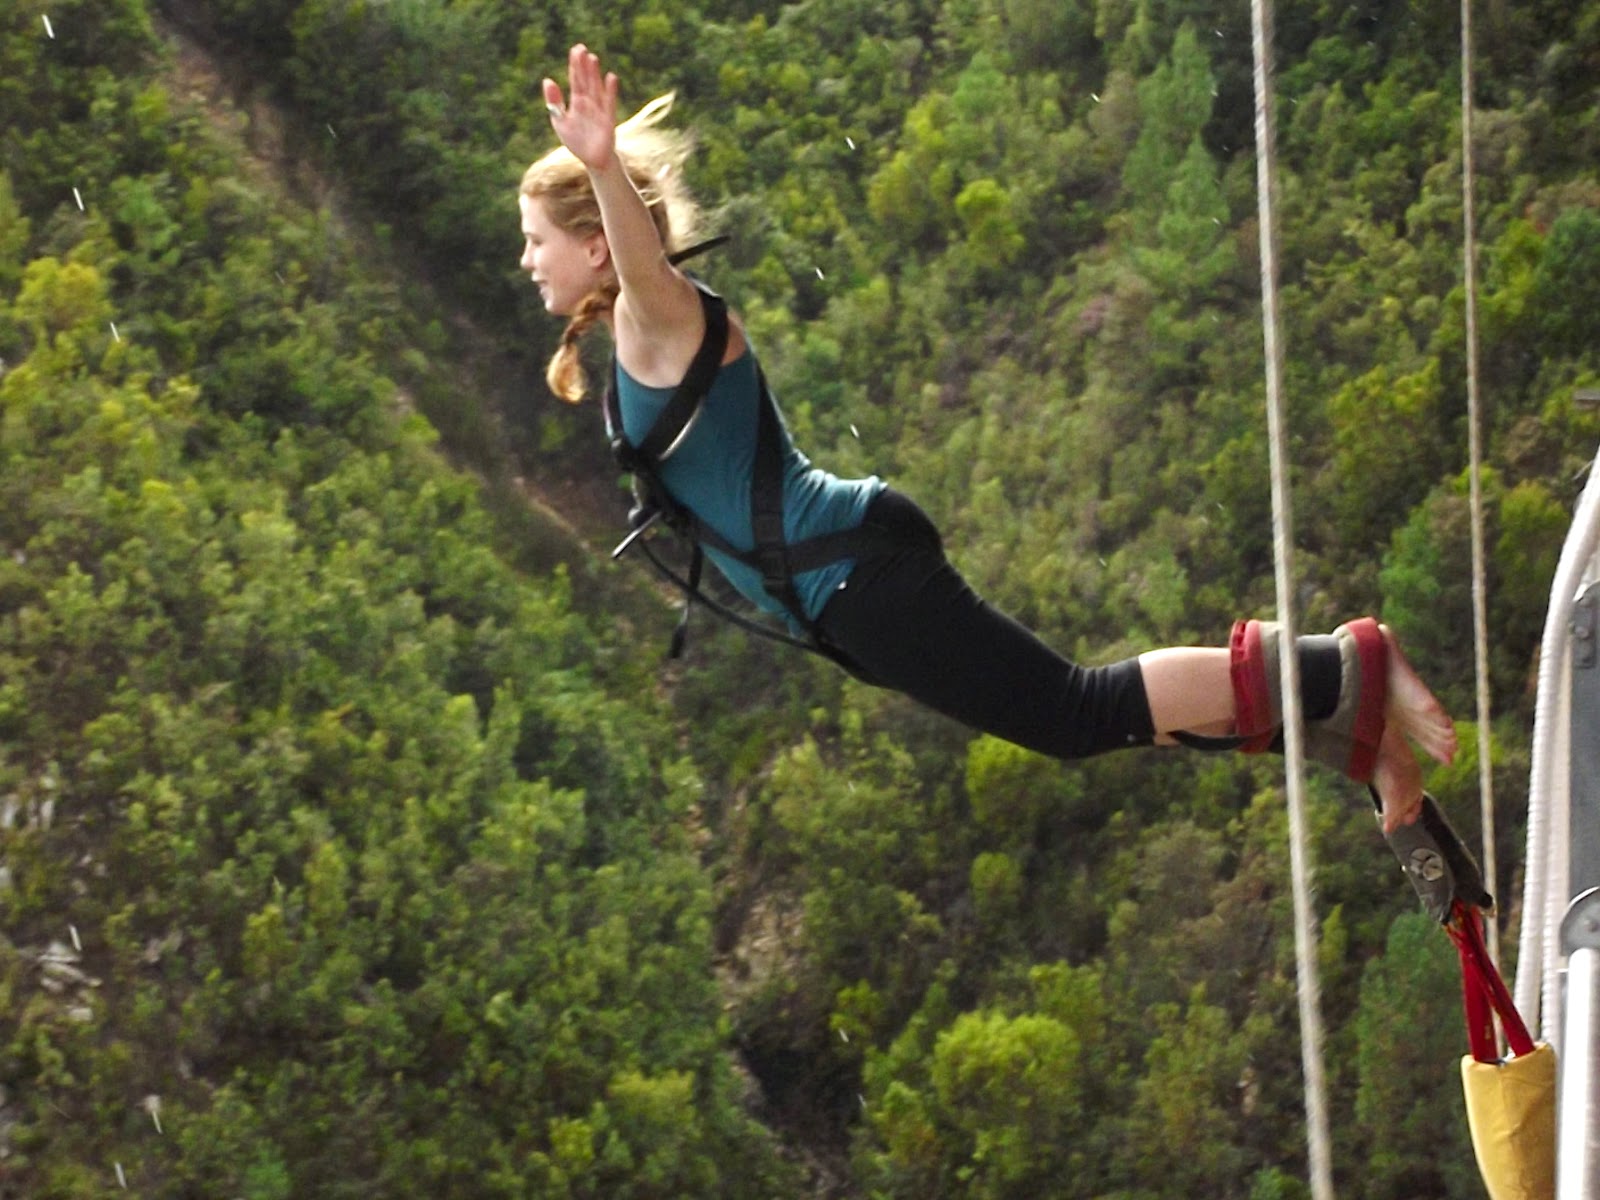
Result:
x=1343 y=683
x=1348 y=740
x=1438 y=864
x=1258 y=687
x=1257 y=683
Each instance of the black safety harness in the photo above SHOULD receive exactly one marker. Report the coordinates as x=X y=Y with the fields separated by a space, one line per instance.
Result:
x=777 y=560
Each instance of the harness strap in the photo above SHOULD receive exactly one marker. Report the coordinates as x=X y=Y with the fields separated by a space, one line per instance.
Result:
x=693 y=595
x=1483 y=992
x=777 y=561
x=680 y=635
x=808 y=554
x=766 y=508
x=682 y=409
x=688 y=252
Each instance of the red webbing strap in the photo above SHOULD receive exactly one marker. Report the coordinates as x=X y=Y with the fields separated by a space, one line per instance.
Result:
x=1367 y=731
x=1480 y=1017
x=1256 y=718
x=1483 y=992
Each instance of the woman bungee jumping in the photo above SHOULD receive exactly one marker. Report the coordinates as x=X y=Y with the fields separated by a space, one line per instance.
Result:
x=856 y=568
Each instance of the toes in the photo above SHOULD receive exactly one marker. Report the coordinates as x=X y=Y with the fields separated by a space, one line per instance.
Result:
x=1398 y=781
x=1414 y=707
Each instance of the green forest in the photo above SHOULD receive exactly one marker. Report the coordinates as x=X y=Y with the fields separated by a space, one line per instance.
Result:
x=356 y=839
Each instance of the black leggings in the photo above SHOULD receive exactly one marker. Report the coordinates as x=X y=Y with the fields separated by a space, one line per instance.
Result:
x=909 y=622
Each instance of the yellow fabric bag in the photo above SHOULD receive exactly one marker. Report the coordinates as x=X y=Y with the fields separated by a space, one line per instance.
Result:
x=1511 y=1103
x=1511 y=1110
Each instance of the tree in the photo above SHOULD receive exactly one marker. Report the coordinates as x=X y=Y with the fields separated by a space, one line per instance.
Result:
x=1408 y=1099
x=1174 y=104
x=1010 y=1086
x=1386 y=435
x=1182 y=1136
x=1564 y=289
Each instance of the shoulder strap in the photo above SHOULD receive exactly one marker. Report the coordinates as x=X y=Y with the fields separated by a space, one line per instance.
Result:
x=689 y=252
x=681 y=412
x=675 y=421
x=611 y=405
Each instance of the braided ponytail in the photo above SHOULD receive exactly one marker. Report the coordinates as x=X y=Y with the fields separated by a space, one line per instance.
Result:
x=565 y=373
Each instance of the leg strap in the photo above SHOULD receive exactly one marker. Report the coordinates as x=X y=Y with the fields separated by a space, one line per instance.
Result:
x=1344 y=728
x=1348 y=740
x=1257 y=683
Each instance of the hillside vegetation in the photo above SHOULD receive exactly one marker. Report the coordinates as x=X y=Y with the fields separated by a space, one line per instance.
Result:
x=354 y=839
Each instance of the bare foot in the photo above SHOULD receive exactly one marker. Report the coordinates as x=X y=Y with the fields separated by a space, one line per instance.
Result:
x=1397 y=778
x=1413 y=709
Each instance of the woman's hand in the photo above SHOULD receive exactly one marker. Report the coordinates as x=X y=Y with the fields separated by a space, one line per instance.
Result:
x=587 y=122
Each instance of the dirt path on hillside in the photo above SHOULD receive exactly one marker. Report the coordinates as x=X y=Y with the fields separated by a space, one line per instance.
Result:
x=583 y=509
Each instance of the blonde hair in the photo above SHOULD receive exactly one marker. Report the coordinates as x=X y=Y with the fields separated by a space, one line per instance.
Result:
x=653 y=158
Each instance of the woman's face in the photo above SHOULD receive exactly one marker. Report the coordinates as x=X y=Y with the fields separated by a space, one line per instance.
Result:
x=564 y=266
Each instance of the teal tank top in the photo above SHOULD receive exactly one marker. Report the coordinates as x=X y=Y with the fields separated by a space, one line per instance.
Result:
x=710 y=474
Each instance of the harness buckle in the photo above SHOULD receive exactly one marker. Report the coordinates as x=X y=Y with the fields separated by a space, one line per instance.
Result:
x=771 y=553
x=774 y=570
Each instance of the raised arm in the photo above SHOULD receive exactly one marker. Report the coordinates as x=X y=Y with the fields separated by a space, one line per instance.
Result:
x=657 y=319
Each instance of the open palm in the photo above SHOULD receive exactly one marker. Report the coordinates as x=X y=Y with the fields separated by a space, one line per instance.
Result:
x=587 y=122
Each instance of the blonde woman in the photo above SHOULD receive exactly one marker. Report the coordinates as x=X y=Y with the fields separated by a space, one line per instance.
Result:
x=854 y=565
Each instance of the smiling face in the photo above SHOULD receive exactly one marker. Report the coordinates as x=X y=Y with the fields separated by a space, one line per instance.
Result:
x=565 y=266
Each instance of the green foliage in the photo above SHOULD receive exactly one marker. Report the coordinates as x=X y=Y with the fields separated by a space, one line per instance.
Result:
x=1181 y=1128
x=1174 y=102
x=1408 y=1067
x=1384 y=432
x=1532 y=526
x=15 y=229
x=1426 y=577
x=395 y=872
x=911 y=194
x=991 y=1102
x=1011 y=790
x=1564 y=291
x=1009 y=1085
x=866 y=843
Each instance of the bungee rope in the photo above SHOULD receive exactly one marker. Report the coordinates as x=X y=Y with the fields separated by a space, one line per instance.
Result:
x=1480 y=603
x=1307 y=989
